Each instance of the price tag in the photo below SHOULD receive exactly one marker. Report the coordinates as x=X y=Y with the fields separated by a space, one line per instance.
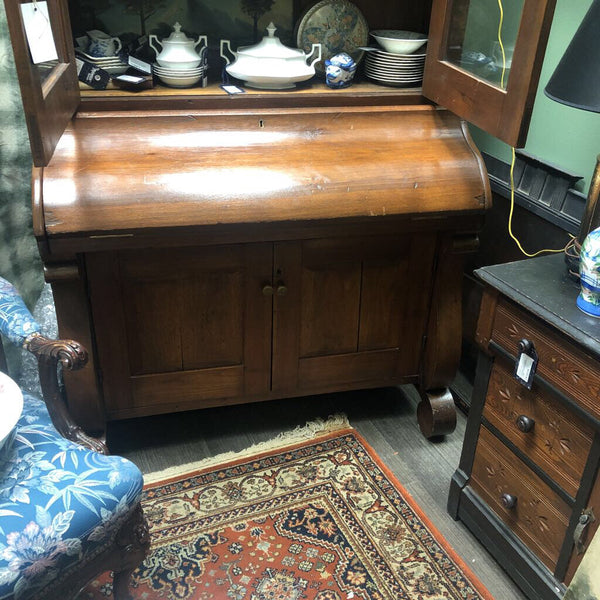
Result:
x=526 y=364
x=232 y=89
x=39 y=32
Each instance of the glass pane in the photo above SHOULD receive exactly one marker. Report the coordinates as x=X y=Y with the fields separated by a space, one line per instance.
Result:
x=482 y=37
x=45 y=69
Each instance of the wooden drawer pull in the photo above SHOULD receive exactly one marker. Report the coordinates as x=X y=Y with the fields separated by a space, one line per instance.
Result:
x=508 y=500
x=525 y=423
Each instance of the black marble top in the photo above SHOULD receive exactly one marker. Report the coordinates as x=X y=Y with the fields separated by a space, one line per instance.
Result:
x=542 y=286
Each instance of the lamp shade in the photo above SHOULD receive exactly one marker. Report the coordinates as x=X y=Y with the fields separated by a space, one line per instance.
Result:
x=576 y=80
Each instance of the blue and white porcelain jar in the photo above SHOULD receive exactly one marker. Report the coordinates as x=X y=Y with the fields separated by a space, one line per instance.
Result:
x=339 y=70
x=589 y=271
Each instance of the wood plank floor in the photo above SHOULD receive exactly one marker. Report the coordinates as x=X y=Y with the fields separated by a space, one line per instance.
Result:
x=385 y=418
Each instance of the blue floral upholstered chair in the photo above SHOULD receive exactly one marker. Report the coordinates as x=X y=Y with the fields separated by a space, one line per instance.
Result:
x=68 y=512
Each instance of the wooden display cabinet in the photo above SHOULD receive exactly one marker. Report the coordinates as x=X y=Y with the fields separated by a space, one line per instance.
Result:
x=211 y=249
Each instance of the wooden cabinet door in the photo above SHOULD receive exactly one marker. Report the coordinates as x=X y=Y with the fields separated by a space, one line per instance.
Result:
x=181 y=328
x=50 y=91
x=466 y=73
x=349 y=312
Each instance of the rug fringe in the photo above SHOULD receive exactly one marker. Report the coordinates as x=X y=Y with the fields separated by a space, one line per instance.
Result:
x=310 y=430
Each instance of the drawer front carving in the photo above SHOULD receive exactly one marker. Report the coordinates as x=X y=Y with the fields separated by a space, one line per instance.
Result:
x=539 y=425
x=560 y=363
x=523 y=501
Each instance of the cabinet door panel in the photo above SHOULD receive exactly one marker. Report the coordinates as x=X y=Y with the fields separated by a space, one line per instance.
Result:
x=328 y=325
x=357 y=313
x=380 y=319
x=181 y=326
x=50 y=91
x=466 y=72
x=214 y=301
x=153 y=322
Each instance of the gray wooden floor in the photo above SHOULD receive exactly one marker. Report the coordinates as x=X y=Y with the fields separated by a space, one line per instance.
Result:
x=385 y=418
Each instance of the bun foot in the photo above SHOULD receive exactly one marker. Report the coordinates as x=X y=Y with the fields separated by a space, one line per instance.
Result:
x=436 y=413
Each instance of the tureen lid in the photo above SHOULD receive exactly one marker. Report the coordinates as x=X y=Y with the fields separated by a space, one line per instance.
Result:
x=177 y=36
x=270 y=47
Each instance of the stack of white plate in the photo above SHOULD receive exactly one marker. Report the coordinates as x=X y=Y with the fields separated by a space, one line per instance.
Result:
x=179 y=78
x=111 y=64
x=398 y=70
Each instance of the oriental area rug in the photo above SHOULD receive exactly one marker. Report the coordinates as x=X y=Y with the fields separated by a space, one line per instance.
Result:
x=322 y=519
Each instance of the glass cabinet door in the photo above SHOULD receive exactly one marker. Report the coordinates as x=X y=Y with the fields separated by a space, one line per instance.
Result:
x=484 y=59
x=40 y=32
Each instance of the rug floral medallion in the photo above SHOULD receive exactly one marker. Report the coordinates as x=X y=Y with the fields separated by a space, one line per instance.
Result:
x=323 y=520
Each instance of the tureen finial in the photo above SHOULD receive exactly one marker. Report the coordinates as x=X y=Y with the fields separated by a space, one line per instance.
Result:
x=271 y=29
x=177 y=27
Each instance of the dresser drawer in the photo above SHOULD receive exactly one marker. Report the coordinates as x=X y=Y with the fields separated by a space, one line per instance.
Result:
x=539 y=516
x=554 y=438
x=561 y=363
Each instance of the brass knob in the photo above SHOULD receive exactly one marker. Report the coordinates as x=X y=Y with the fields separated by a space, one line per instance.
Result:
x=267 y=290
x=525 y=423
x=508 y=500
x=281 y=290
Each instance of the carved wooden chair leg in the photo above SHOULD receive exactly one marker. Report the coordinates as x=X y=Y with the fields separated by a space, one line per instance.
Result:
x=436 y=413
x=133 y=543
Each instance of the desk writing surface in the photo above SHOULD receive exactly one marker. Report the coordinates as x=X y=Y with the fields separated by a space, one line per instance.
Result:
x=542 y=286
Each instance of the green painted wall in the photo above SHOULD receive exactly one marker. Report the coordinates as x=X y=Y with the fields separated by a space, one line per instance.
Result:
x=561 y=135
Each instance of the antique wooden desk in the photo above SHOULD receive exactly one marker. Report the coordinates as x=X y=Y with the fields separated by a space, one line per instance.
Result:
x=527 y=484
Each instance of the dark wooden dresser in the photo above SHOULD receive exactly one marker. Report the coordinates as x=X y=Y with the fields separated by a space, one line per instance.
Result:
x=527 y=485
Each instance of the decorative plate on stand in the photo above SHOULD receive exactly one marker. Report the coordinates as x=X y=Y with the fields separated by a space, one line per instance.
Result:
x=338 y=25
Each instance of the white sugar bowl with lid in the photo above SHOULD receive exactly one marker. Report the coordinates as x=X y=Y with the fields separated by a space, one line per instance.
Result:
x=270 y=65
x=177 y=51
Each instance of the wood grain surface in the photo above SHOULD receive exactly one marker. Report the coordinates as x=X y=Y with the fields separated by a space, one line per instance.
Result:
x=118 y=173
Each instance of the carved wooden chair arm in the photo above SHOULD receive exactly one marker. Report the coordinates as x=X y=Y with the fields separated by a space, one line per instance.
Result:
x=19 y=327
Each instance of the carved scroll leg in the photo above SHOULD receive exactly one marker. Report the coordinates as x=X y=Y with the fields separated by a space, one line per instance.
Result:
x=436 y=413
x=133 y=542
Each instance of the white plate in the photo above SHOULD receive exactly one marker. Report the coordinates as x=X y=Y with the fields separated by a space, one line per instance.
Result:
x=406 y=82
x=176 y=73
x=394 y=69
x=393 y=75
x=11 y=406
x=378 y=52
x=397 y=84
x=180 y=82
x=390 y=63
x=399 y=60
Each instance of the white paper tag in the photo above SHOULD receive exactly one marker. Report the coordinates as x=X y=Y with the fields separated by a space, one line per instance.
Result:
x=39 y=32
x=232 y=89
x=524 y=367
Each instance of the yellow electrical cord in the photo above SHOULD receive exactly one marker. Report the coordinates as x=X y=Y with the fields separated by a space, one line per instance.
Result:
x=500 y=23
x=512 y=206
x=512 y=164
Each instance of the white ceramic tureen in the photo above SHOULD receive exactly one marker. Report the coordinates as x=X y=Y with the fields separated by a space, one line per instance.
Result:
x=269 y=64
x=177 y=51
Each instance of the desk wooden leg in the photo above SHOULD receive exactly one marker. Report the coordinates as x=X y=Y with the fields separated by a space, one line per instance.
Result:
x=436 y=413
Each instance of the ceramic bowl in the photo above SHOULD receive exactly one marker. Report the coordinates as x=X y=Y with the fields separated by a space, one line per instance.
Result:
x=180 y=82
x=399 y=42
x=11 y=406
